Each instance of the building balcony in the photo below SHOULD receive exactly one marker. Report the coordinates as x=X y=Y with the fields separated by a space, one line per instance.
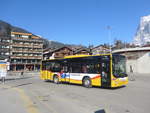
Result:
x=26 y=39
x=26 y=57
x=27 y=45
x=4 y=43
x=26 y=51
x=26 y=63
x=4 y=49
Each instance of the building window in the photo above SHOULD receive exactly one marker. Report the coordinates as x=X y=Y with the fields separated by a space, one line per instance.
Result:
x=16 y=35
x=25 y=36
x=12 y=35
x=6 y=53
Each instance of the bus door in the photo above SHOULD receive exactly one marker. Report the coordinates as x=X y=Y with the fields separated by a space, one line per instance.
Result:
x=44 y=70
x=65 y=75
x=105 y=72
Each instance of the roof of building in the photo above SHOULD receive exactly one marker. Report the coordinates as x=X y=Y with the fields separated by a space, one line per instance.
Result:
x=100 y=46
x=56 y=49
x=82 y=49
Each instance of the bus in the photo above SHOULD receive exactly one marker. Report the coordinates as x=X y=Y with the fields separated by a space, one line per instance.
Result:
x=104 y=70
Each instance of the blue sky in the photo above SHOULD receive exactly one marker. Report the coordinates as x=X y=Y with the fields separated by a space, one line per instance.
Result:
x=76 y=21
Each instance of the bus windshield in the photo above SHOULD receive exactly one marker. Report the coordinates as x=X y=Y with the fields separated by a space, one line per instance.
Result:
x=119 y=66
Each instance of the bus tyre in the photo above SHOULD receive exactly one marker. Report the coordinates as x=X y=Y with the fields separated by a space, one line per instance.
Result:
x=56 y=79
x=87 y=82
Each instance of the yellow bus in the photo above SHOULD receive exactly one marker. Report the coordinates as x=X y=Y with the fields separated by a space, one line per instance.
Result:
x=104 y=70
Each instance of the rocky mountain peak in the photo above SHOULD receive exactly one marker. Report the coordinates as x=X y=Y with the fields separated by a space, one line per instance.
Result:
x=142 y=36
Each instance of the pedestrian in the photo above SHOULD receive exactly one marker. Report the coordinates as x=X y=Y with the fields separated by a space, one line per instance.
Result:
x=131 y=69
x=22 y=74
x=131 y=73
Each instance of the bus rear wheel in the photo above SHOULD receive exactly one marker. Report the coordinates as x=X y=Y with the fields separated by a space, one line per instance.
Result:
x=87 y=82
x=56 y=79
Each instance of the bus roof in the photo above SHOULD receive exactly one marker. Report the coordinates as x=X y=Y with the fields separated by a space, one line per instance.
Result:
x=77 y=56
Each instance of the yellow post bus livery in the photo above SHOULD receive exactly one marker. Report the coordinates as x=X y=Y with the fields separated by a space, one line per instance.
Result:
x=105 y=70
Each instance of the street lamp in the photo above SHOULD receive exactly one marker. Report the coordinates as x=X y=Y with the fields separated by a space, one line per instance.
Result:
x=109 y=37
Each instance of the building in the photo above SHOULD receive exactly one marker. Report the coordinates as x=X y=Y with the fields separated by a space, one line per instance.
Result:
x=137 y=58
x=4 y=47
x=25 y=51
x=100 y=50
x=57 y=53
x=82 y=51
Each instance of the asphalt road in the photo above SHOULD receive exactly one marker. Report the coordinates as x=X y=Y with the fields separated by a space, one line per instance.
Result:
x=32 y=95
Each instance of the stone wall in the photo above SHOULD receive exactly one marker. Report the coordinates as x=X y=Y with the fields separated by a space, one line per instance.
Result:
x=140 y=65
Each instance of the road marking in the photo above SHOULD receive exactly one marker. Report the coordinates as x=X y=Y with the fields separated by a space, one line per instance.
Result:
x=31 y=108
x=40 y=98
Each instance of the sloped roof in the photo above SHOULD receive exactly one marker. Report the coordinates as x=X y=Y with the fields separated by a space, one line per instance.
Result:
x=57 y=49
x=82 y=49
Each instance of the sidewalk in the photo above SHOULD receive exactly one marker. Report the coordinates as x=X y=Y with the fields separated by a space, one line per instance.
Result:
x=17 y=76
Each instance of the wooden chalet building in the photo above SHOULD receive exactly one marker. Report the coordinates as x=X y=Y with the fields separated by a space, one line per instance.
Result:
x=82 y=51
x=57 y=53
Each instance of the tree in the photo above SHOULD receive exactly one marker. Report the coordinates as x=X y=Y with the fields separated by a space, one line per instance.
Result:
x=119 y=44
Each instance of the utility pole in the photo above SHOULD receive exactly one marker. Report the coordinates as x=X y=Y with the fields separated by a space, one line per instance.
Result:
x=109 y=37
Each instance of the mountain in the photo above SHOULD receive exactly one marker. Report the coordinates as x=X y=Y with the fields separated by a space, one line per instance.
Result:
x=142 y=36
x=52 y=44
x=18 y=29
x=48 y=44
x=6 y=28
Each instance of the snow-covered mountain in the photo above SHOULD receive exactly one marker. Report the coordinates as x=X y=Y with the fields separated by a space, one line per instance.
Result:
x=142 y=35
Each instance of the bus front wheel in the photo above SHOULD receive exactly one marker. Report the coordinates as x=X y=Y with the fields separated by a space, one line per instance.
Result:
x=56 y=79
x=87 y=82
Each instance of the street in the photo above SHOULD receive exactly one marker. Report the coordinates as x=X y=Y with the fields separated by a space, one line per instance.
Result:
x=29 y=94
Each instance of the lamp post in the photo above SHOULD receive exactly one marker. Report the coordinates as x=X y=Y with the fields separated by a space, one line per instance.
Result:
x=109 y=37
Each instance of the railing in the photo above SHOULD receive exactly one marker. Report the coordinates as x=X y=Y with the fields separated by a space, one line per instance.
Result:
x=27 y=57
x=4 y=49
x=25 y=62
x=24 y=39
x=4 y=43
x=27 y=51
x=27 y=45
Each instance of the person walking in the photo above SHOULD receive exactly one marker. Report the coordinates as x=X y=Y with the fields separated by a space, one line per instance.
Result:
x=131 y=73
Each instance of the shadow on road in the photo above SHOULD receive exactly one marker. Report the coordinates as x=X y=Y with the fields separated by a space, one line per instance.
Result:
x=111 y=88
x=100 y=111
x=96 y=87
x=21 y=85
x=17 y=86
x=10 y=79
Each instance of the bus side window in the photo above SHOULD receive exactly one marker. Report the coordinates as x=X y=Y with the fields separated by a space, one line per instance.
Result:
x=104 y=67
x=51 y=66
x=47 y=65
x=98 y=68
x=84 y=68
x=76 y=67
x=65 y=69
x=43 y=66
x=57 y=67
